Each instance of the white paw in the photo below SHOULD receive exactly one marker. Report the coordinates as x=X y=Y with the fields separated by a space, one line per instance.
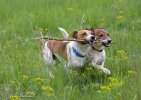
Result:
x=106 y=71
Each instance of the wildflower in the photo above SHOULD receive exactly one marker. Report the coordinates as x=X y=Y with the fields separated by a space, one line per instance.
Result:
x=122 y=55
x=115 y=82
x=25 y=77
x=14 y=98
x=47 y=88
x=120 y=17
x=105 y=88
x=49 y=91
x=39 y=80
x=30 y=93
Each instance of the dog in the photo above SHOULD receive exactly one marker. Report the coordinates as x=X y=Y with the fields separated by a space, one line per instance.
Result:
x=74 y=53
x=96 y=54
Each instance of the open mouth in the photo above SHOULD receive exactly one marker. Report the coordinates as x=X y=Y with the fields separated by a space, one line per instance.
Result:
x=106 y=44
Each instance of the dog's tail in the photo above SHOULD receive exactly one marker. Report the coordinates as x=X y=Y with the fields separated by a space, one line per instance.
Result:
x=64 y=32
x=41 y=40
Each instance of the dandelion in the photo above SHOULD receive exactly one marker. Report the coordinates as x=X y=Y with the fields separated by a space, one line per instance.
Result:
x=120 y=17
x=14 y=98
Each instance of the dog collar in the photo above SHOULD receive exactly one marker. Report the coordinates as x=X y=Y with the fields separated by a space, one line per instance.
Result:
x=77 y=53
x=97 y=49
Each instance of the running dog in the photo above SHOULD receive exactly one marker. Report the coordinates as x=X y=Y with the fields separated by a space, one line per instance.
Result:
x=74 y=53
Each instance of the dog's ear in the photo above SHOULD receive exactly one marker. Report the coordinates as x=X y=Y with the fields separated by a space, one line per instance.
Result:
x=74 y=34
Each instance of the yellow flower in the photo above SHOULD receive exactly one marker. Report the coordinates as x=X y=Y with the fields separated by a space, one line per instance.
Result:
x=39 y=79
x=14 y=98
x=47 y=88
x=25 y=77
x=105 y=88
x=120 y=17
x=30 y=93
x=122 y=55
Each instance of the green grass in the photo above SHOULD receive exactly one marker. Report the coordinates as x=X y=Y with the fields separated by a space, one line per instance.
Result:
x=22 y=70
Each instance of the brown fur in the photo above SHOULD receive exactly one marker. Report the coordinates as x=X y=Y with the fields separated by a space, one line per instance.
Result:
x=101 y=34
x=58 y=47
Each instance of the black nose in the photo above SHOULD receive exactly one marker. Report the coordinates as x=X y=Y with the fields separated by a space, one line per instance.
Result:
x=109 y=41
x=93 y=38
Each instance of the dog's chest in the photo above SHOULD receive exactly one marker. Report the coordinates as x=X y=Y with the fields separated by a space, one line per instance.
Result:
x=97 y=57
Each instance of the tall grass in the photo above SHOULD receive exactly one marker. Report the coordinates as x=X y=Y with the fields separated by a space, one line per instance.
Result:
x=23 y=72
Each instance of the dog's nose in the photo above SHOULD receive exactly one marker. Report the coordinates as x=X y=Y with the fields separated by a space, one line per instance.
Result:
x=93 y=38
x=109 y=41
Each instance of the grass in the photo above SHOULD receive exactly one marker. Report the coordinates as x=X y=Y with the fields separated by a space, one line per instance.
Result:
x=22 y=70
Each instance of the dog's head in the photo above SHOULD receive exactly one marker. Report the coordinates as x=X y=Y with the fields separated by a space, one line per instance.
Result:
x=86 y=35
x=103 y=37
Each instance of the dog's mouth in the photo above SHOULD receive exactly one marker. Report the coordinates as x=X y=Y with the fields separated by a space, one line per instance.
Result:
x=105 y=44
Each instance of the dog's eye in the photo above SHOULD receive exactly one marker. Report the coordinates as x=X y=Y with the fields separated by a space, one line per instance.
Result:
x=84 y=33
x=107 y=34
x=100 y=35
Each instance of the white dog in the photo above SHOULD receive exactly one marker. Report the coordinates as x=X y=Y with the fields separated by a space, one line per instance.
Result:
x=96 y=53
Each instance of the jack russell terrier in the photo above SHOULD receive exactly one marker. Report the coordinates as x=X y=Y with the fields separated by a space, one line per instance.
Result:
x=75 y=53
x=96 y=54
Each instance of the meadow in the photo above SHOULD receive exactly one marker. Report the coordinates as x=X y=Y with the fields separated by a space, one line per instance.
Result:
x=22 y=70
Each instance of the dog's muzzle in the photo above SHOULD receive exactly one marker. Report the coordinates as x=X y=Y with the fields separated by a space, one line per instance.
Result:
x=106 y=43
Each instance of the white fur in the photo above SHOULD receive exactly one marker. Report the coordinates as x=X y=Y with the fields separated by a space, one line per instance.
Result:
x=97 y=59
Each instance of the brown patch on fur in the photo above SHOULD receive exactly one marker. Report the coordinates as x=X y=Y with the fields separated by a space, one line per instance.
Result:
x=58 y=47
x=101 y=34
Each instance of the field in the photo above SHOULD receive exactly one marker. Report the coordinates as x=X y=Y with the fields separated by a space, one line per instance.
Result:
x=23 y=72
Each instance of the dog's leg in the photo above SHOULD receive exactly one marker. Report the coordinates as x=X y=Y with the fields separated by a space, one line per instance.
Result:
x=105 y=70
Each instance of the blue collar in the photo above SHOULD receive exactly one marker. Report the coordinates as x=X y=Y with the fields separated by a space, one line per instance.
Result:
x=76 y=52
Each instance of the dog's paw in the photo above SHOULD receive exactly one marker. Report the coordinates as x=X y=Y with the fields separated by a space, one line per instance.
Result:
x=106 y=71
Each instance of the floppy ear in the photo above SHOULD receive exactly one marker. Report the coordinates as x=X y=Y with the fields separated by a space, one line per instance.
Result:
x=74 y=34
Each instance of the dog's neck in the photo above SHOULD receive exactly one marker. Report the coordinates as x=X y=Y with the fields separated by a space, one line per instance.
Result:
x=98 y=48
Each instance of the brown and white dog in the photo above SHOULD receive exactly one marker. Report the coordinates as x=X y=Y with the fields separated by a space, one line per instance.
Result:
x=75 y=53
x=96 y=54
